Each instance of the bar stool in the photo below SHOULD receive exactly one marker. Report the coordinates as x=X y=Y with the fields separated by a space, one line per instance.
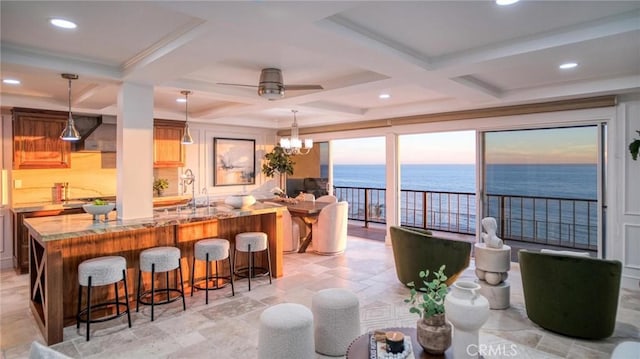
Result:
x=98 y=272
x=252 y=242
x=157 y=260
x=212 y=250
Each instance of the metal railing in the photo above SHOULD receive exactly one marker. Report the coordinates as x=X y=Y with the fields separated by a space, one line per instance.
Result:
x=563 y=222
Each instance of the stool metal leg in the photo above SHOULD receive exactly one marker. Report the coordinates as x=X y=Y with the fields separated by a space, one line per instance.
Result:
x=153 y=288
x=233 y=293
x=206 y=279
x=269 y=261
x=184 y=304
x=126 y=296
x=88 y=307
x=79 y=306
x=193 y=271
x=250 y=266
x=167 y=279
x=115 y=286
x=139 y=285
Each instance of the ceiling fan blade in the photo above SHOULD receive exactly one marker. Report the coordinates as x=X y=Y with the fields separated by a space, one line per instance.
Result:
x=303 y=87
x=241 y=85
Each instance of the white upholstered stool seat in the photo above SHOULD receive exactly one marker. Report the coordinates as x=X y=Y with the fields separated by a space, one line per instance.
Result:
x=252 y=242
x=212 y=250
x=336 y=313
x=286 y=331
x=155 y=260
x=98 y=272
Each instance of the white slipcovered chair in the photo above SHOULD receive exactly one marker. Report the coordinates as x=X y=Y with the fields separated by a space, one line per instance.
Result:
x=291 y=231
x=330 y=231
x=327 y=198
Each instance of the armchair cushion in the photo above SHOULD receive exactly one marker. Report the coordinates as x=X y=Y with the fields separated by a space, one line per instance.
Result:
x=571 y=295
x=417 y=250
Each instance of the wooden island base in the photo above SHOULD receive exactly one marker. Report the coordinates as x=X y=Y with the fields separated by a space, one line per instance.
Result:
x=54 y=263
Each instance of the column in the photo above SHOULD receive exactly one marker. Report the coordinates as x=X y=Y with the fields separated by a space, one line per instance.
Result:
x=134 y=159
x=392 y=198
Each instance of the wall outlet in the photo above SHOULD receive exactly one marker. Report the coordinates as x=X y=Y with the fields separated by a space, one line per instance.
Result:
x=17 y=184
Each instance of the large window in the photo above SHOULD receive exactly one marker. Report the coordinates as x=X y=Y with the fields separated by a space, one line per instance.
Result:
x=541 y=185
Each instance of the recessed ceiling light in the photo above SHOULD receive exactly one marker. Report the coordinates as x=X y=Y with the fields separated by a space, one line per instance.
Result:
x=506 y=2
x=568 y=65
x=11 y=81
x=181 y=100
x=65 y=24
x=384 y=96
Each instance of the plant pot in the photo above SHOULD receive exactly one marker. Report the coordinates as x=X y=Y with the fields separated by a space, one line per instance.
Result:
x=159 y=192
x=434 y=334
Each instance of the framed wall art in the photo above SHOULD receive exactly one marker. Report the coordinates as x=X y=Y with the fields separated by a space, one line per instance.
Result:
x=234 y=161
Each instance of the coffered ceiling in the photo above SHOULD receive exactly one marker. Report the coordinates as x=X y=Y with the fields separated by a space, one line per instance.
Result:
x=429 y=56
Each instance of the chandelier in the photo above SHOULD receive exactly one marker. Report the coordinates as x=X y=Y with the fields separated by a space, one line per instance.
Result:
x=186 y=137
x=293 y=145
x=70 y=133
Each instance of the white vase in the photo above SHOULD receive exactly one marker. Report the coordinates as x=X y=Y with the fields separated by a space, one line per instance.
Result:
x=467 y=311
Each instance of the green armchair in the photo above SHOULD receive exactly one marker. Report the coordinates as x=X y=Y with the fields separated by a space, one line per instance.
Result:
x=415 y=250
x=569 y=295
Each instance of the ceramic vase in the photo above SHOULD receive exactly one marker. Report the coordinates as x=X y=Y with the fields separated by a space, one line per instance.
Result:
x=467 y=311
x=240 y=201
x=434 y=334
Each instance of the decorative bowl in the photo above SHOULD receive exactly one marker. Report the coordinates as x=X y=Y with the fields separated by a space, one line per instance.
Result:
x=97 y=210
x=240 y=201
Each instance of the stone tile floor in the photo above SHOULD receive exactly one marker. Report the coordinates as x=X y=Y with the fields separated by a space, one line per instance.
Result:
x=228 y=326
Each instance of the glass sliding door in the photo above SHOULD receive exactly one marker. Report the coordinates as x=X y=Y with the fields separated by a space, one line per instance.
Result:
x=542 y=185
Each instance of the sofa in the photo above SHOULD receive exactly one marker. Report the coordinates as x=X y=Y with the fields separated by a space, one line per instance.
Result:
x=571 y=295
x=416 y=250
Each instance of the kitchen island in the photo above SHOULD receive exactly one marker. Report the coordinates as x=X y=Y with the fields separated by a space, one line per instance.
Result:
x=59 y=244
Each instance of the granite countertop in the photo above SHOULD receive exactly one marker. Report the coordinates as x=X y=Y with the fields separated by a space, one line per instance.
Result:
x=77 y=203
x=78 y=225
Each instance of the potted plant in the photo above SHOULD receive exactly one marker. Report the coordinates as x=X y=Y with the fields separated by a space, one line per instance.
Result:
x=634 y=147
x=159 y=185
x=433 y=331
x=278 y=162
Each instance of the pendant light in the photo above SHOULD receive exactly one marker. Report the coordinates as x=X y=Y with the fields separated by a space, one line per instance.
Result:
x=186 y=137
x=70 y=133
x=294 y=145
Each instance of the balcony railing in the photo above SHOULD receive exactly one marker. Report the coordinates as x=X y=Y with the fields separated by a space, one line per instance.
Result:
x=563 y=222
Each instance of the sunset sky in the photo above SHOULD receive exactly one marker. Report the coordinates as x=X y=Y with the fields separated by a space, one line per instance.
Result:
x=566 y=145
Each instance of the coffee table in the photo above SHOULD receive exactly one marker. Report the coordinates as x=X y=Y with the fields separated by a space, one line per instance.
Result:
x=359 y=348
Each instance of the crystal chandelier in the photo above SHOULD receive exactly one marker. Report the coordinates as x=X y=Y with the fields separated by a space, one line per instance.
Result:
x=293 y=145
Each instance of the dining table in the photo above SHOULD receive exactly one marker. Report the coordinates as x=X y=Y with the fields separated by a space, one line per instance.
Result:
x=308 y=211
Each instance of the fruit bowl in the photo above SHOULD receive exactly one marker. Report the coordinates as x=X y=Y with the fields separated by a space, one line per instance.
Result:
x=98 y=209
x=240 y=201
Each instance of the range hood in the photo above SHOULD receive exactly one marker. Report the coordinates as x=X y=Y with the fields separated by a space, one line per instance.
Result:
x=97 y=134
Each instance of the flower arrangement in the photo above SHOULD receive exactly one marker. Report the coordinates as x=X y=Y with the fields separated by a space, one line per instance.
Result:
x=431 y=301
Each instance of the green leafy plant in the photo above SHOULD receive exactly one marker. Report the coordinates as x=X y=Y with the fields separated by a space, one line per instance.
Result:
x=100 y=202
x=160 y=184
x=430 y=300
x=634 y=147
x=278 y=162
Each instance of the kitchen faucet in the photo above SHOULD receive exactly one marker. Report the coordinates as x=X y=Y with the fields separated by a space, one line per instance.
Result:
x=206 y=195
x=189 y=179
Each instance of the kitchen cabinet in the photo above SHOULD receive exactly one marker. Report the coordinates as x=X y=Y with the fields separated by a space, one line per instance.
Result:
x=36 y=139
x=168 y=151
x=21 y=234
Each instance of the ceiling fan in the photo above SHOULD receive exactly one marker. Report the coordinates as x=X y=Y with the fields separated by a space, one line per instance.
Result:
x=271 y=85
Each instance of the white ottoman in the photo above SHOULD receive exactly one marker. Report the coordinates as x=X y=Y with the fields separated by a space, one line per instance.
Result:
x=626 y=350
x=286 y=332
x=336 y=313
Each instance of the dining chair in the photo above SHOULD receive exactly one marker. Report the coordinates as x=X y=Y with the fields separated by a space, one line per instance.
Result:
x=291 y=231
x=308 y=197
x=327 y=198
x=330 y=231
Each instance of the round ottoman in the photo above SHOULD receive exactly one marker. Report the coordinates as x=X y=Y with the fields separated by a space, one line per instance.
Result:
x=286 y=331
x=336 y=313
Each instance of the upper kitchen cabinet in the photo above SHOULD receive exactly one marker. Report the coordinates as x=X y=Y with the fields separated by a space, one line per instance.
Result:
x=168 y=151
x=36 y=139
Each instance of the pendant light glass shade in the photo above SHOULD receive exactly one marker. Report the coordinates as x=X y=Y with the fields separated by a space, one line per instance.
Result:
x=186 y=137
x=295 y=145
x=70 y=133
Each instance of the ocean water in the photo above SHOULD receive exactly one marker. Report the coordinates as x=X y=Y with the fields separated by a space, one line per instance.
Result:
x=553 y=204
